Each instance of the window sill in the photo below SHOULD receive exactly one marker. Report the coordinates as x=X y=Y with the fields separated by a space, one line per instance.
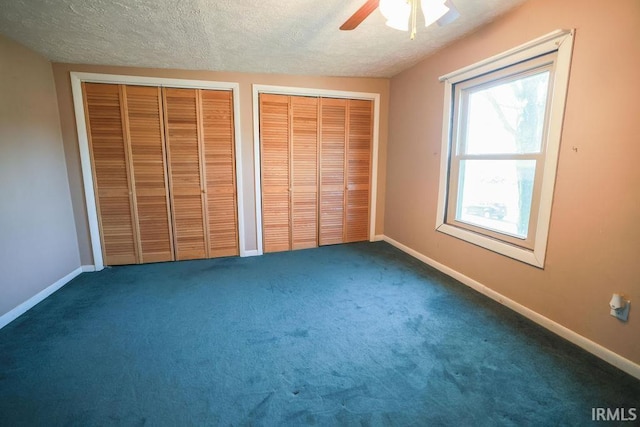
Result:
x=533 y=257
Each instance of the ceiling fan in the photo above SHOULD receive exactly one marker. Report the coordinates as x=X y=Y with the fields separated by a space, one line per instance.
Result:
x=399 y=12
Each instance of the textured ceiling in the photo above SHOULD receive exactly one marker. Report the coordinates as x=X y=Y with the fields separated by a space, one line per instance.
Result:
x=270 y=36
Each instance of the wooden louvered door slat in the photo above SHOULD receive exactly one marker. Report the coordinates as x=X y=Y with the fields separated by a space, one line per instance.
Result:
x=145 y=130
x=274 y=154
x=218 y=140
x=360 y=129
x=304 y=172
x=333 y=122
x=182 y=129
x=316 y=170
x=111 y=173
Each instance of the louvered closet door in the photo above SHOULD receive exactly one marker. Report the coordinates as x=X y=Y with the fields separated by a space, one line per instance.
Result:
x=304 y=172
x=109 y=155
x=333 y=122
x=217 y=118
x=183 y=130
x=360 y=137
x=274 y=154
x=145 y=129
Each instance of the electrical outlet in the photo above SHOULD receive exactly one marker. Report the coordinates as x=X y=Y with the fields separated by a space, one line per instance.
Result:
x=622 y=313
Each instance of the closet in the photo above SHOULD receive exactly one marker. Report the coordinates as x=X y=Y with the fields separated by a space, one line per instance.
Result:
x=316 y=170
x=164 y=172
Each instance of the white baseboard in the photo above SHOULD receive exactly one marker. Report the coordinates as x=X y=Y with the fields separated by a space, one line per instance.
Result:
x=253 y=252
x=16 y=312
x=88 y=268
x=594 y=348
x=378 y=238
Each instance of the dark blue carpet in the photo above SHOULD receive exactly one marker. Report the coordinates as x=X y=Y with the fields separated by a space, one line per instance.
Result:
x=353 y=335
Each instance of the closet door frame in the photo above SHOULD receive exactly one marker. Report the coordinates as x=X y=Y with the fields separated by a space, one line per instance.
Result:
x=327 y=93
x=77 y=78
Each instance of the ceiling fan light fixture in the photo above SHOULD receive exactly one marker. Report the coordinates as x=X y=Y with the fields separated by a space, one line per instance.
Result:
x=433 y=10
x=397 y=13
x=402 y=14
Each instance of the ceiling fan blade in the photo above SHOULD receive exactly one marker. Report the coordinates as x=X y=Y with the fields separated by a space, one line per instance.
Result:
x=450 y=16
x=360 y=15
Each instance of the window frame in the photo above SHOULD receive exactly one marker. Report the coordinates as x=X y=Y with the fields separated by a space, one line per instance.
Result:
x=462 y=90
x=553 y=51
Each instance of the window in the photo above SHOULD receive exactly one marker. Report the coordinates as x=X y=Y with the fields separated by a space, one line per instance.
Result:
x=501 y=137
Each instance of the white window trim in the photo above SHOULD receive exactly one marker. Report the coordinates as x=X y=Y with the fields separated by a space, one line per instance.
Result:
x=562 y=42
x=544 y=63
x=77 y=78
x=328 y=93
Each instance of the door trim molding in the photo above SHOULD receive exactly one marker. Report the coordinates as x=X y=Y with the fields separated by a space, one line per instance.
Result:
x=328 y=93
x=77 y=78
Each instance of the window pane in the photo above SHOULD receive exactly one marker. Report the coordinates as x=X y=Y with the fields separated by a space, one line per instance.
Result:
x=507 y=118
x=496 y=194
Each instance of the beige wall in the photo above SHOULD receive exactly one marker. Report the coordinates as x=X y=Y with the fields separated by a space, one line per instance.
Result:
x=594 y=240
x=61 y=73
x=38 y=244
